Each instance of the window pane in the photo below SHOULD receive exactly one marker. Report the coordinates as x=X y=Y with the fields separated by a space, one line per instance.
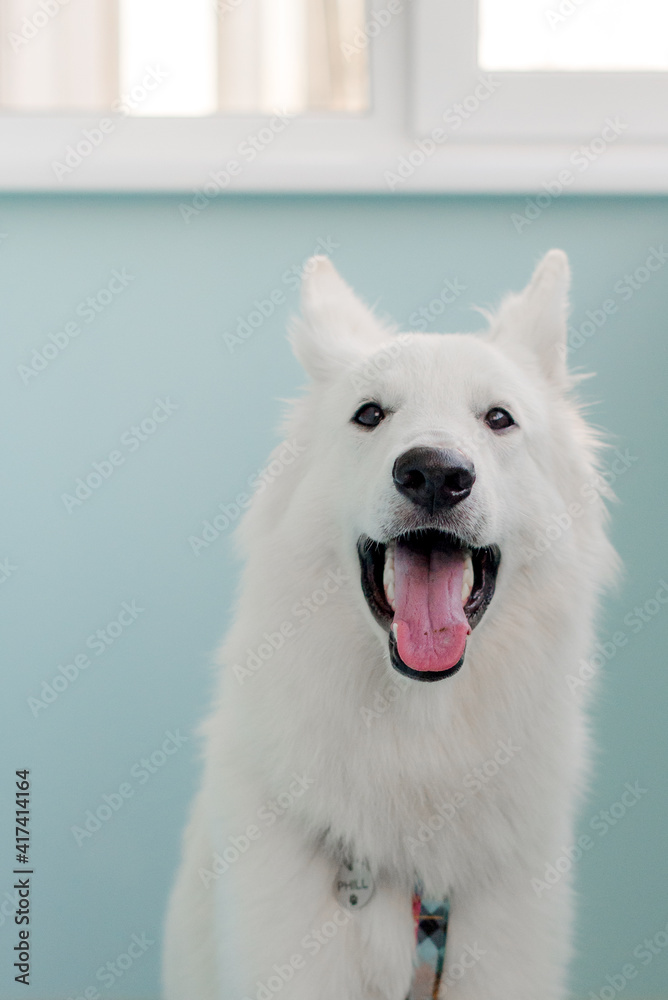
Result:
x=58 y=57
x=301 y=55
x=184 y=57
x=176 y=39
x=573 y=34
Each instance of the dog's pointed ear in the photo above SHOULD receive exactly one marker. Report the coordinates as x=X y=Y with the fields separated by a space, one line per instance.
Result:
x=534 y=323
x=335 y=327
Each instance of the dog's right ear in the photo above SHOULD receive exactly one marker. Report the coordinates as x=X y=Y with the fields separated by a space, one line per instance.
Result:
x=335 y=328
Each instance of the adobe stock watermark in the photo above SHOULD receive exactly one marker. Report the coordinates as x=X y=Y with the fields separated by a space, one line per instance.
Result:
x=266 y=816
x=87 y=310
x=140 y=773
x=113 y=970
x=601 y=823
x=265 y=307
x=32 y=25
x=364 y=374
x=623 y=291
x=228 y=513
x=591 y=492
x=9 y=905
x=223 y=7
x=311 y=944
x=7 y=570
x=248 y=150
x=453 y=118
x=450 y=291
x=131 y=440
x=301 y=612
x=581 y=160
x=92 y=138
x=635 y=621
x=384 y=699
x=472 y=784
x=646 y=951
x=556 y=16
x=98 y=642
x=469 y=956
x=376 y=22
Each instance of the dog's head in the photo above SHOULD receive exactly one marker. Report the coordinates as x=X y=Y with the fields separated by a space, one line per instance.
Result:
x=435 y=453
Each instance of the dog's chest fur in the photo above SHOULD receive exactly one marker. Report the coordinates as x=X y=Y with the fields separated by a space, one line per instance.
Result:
x=435 y=783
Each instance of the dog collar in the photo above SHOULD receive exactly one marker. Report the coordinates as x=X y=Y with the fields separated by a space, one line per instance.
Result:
x=354 y=888
x=431 y=929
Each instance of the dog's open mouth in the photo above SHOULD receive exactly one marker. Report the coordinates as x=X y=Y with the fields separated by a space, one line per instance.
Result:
x=428 y=590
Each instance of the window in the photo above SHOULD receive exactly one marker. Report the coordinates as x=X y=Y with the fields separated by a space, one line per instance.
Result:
x=332 y=95
x=585 y=35
x=183 y=57
x=562 y=67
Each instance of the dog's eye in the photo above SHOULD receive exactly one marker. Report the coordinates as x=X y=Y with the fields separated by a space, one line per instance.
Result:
x=369 y=415
x=498 y=419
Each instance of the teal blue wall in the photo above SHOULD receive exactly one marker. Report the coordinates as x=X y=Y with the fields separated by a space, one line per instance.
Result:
x=163 y=336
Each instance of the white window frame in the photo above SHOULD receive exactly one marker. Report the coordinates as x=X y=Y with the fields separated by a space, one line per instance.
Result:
x=524 y=132
x=528 y=106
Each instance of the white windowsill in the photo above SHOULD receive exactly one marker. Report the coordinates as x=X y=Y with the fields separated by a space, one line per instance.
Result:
x=331 y=155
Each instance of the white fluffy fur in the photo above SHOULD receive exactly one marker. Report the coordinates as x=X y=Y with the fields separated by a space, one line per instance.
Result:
x=377 y=777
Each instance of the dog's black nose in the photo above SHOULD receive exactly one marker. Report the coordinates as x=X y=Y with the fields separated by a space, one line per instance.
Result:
x=434 y=478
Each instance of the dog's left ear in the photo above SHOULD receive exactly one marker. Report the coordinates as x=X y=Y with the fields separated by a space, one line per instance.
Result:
x=534 y=323
x=335 y=328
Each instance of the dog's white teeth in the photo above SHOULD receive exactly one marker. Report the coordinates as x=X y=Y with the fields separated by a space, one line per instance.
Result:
x=395 y=629
x=388 y=574
x=467 y=578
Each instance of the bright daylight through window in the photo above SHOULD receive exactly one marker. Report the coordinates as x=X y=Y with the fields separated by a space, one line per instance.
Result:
x=583 y=35
x=183 y=57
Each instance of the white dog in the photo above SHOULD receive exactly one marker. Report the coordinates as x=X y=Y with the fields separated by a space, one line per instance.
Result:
x=437 y=517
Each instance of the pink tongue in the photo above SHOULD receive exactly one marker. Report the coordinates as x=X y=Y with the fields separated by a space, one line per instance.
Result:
x=431 y=624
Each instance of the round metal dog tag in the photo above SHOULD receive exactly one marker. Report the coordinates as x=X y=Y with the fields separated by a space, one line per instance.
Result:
x=354 y=884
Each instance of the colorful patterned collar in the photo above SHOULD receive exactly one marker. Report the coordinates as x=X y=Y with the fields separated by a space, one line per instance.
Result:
x=354 y=888
x=431 y=928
